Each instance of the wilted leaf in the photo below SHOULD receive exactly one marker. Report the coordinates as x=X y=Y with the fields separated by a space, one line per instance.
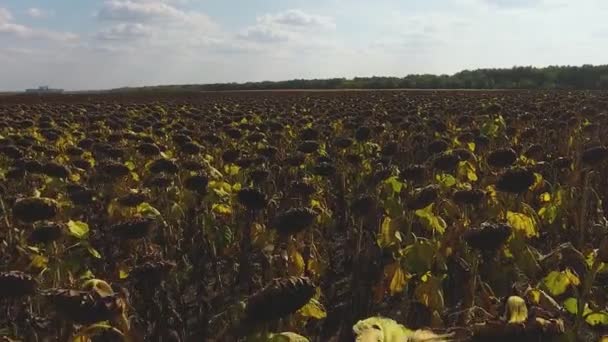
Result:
x=296 y=264
x=430 y=292
x=523 y=223
x=446 y=180
x=78 y=229
x=432 y=221
x=313 y=309
x=146 y=209
x=558 y=282
x=398 y=281
x=389 y=234
x=221 y=209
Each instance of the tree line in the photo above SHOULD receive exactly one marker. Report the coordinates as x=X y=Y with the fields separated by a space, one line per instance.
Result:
x=552 y=77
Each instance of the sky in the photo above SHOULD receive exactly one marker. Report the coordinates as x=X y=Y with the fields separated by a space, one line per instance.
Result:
x=100 y=44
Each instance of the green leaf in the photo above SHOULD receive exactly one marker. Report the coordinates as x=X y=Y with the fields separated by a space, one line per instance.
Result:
x=430 y=220
x=146 y=209
x=286 y=337
x=446 y=180
x=556 y=283
x=395 y=184
x=93 y=252
x=571 y=305
x=418 y=257
x=597 y=318
x=78 y=229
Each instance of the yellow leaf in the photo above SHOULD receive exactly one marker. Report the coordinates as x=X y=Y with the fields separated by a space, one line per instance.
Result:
x=221 y=209
x=39 y=262
x=432 y=221
x=314 y=309
x=545 y=197
x=122 y=274
x=389 y=235
x=316 y=267
x=232 y=169
x=522 y=223
x=471 y=146
x=572 y=277
x=75 y=177
x=295 y=265
x=78 y=229
x=446 y=180
x=398 y=281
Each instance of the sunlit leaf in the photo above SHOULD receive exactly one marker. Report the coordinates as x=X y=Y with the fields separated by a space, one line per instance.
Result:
x=597 y=318
x=313 y=309
x=221 y=209
x=556 y=283
x=522 y=223
x=446 y=180
x=431 y=220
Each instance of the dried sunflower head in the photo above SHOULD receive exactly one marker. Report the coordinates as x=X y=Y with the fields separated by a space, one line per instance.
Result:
x=15 y=284
x=34 y=209
x=280 y=298
x=295 y=220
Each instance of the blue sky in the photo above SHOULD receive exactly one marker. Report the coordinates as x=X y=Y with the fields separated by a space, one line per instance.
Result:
x=94 y=44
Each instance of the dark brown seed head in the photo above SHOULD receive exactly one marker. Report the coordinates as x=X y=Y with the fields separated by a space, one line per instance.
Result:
x=324 y=169
x=488 y=236
x=197 y=183
x=423 y=197
x=279 y=299
x=163 y=165
x=252 y=199
x=85 y=307
x=503 y=157
x=295 y=220
x=132 y=229
x=148 y=149
x=363 y=133
x=55 y=170
x=308 y=146
x=413 y=173
x=470 y=197
x=594 y=155
x=343 y=143
x=15 y=284
x=516 y=180
x=132 y=199
x=446 y=161
x=46 y=232
x=34 y=209
x=112 y=170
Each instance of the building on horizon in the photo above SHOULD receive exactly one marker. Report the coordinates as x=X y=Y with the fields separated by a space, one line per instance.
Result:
x=44 y=90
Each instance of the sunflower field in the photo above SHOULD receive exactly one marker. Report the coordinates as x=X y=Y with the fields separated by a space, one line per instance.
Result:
x=304 y=216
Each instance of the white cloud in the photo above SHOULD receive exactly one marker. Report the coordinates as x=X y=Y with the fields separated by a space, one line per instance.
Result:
x=10 y=29
x=291 y=25
x=124 y=31
x=5 y=15
x=35 y=12
x=298 y=18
